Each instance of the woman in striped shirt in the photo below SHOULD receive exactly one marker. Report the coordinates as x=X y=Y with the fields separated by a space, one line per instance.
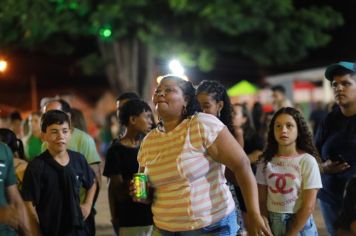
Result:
x=185 y=159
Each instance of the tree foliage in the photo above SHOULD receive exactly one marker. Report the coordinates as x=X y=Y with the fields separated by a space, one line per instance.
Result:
x=269 y=32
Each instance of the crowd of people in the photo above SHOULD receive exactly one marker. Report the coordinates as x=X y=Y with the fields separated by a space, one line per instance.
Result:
x=213 y=168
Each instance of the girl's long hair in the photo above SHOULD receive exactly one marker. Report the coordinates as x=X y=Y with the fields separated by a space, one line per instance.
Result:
x=304 y=140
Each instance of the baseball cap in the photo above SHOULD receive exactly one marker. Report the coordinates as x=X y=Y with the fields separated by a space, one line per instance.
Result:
x=330 y=70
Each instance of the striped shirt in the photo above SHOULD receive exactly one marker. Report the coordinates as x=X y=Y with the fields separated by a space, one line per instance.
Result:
x=190 y=187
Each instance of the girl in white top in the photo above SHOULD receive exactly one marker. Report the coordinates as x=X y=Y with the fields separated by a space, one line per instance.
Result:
x=288 y=175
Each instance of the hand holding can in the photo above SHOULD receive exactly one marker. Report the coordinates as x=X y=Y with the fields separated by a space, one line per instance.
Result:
x=139 y=188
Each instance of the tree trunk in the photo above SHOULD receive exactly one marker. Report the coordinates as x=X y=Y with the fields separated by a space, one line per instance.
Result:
x=129 y=66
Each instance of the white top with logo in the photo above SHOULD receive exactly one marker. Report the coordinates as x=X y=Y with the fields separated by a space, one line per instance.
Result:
x=286 y=178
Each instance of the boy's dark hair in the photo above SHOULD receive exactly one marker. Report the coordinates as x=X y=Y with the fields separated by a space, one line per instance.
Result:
x=128 y=95
x=279 y=88
x=304 y=140
x=53 y=117
x=132 y=108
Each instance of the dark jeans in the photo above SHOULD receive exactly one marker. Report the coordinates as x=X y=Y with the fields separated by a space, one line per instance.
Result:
x=330 y=214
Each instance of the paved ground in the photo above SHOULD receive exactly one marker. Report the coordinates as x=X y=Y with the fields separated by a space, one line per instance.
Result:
x=103 y=216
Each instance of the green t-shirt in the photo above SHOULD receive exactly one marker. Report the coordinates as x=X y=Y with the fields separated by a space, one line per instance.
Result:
x=7 y=178
x=33 y=147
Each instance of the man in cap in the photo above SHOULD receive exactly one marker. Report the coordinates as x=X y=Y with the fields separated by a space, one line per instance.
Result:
x=336 y=141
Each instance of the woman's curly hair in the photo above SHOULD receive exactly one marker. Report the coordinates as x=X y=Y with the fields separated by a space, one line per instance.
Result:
x=304 y=140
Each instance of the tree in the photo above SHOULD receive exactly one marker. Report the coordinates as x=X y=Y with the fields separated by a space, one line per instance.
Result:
x=131 y=34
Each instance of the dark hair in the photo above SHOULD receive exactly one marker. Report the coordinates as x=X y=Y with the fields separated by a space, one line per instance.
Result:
x=219 y=93
x=132 y=108
x=304 y=140
x=65 y=107
x=341 y=71
x=15 y=116
x=248 y=127
x=53 y=117
x=78 y=119
x=128 y=95
x=279 y=88
x=15 y=144
x=257 y=116
x=188 y=92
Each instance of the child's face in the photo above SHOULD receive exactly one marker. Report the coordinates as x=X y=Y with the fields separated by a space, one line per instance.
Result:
x=285 y=130
x=57 y=136
x=238 y=118
x=35 y=123
x=143 y=122
x=208 y=104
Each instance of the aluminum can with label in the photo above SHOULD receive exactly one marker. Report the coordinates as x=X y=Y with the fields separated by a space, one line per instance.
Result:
x=140 y=182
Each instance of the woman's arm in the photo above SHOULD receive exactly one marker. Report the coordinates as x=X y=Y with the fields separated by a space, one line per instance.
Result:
x=307 y=208
x=227 y=151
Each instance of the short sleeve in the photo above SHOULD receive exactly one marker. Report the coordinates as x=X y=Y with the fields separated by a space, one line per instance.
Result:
x=88 y=149
x=32 y=182
x=310 y=173
x=112 y=165
x=88 y=174
x=210 y=126
x=8 y=165
x=260 y=174
x=141 y=153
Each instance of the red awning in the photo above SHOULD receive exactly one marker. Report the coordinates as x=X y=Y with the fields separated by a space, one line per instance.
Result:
x=303 y=85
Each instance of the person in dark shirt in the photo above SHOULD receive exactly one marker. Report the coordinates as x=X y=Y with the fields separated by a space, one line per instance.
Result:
x=336 y=142
x=128 y=217
x=53 y=180
x=317 y=116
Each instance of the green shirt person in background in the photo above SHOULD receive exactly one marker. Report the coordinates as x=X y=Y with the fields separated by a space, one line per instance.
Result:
x=13 y=215
x=32 y=142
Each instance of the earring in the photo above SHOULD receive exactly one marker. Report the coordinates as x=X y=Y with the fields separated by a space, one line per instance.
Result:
x=218 y=115
x=184 y=112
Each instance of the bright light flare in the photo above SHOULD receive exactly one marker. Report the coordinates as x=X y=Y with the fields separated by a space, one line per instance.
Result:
x=3 y=65
x=176 y=67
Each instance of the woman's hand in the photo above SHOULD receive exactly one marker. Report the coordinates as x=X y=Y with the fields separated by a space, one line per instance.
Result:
x=132 y=192
x=257 y=225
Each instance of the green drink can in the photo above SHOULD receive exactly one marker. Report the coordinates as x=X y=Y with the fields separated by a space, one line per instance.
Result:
x=140 y=182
